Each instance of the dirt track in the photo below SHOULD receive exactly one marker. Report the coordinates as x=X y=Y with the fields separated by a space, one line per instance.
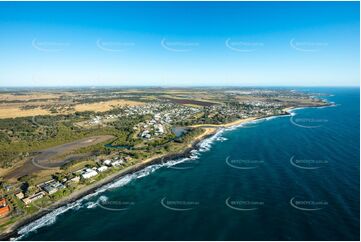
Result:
x=53 y=158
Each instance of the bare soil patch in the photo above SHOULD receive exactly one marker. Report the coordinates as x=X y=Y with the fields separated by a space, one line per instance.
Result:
x=47 y=159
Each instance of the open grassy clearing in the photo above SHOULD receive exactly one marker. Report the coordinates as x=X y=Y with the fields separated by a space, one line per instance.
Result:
x=105 y=106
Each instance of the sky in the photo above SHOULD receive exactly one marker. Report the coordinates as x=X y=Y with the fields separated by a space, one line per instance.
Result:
x=179 y=44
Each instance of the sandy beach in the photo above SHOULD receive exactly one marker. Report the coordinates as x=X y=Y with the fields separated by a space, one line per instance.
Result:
x=288 y=109
x=234 y=123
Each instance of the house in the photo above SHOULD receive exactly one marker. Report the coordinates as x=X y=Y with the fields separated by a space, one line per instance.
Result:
x=102 y=168
x=51 y=186
x=128 y=158
x=4 y=208
x=107 y=162
x=121 y=161
x=7 y=187
x=145 y=134
x=50 y=189
x=89 y=173
x=20 y=195
x=117 y=163
x=2 y=202
x=4 y=211
x=34 y=197
x=75 y=179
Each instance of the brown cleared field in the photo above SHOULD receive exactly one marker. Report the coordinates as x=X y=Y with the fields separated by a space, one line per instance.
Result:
x=27 y=97
x=104 y=106
x=14 y=111
x=10 y=104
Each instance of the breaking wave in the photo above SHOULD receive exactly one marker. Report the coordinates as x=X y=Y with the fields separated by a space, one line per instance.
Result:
x=91 y=205
x=221 y=139
x=50 y=218
x=84 y=202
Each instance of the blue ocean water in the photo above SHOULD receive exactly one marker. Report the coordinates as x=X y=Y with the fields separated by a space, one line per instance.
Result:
x=287 y=178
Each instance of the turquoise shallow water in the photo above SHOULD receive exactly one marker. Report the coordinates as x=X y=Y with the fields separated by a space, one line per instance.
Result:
x=288 y=178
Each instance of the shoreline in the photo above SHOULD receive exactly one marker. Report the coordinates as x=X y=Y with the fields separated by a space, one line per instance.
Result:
x=227 y=125
x=209 y=131
x=12 y=231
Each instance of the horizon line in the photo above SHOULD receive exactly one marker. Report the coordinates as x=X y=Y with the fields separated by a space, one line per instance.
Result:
x=174 y=86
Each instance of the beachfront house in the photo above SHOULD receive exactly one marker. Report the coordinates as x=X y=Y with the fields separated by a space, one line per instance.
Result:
x=20 y=195
x=34 y=197
x=4 y=208
x=88 y=173
x=75 y=179
x=107 y=162
x=102 y=169
x=117 y=163
x=51 y=187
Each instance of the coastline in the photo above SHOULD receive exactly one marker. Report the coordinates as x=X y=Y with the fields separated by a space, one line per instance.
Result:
x=209 y=130
x=12 y=231
x=227 y=125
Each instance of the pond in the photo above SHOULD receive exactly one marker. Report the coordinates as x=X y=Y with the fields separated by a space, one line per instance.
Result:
x=179 y=131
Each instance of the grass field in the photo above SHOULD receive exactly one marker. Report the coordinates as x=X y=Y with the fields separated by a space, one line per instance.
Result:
x=104 y=106
x=28 y=96
x=14 y=111
x=11 y=106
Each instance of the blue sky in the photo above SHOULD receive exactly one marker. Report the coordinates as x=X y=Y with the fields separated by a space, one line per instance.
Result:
x=179 y=43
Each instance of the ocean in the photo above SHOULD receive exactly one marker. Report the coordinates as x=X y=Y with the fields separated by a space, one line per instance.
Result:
x=284 y=178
